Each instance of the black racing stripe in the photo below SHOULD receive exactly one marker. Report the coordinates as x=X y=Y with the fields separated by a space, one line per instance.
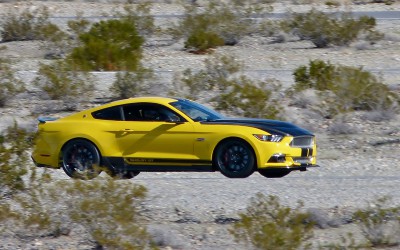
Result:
x=310 y=152
x=270 y=126
x=304 y=152
x=160 y=160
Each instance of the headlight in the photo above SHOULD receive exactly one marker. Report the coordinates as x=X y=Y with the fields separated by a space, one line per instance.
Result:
x=271 y=138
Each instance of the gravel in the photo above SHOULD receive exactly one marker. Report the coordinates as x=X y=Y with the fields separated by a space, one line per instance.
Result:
x=196 y=210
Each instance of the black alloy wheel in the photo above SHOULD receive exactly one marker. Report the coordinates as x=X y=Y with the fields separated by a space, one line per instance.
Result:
x=81 y=159
x=235 y=158
x=123 y=175
x=274 y=173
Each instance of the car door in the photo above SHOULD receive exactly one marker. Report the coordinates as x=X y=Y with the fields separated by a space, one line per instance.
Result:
x=152 y=134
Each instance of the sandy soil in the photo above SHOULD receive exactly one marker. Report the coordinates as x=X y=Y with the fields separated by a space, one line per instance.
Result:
x=189 y=210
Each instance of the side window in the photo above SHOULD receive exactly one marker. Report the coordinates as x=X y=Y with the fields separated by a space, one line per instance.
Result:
x=132 y=112
x=149 y=112
x=112 y=113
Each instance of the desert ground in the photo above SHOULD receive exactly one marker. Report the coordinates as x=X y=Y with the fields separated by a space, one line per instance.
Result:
x=196 y=210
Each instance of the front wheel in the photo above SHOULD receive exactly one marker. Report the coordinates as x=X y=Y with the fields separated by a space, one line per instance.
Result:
x=81 y=159
x=274 y=173
x=234 y=158
x=123 y=175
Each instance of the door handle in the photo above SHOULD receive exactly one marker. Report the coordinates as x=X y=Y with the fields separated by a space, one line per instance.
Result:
x=127 y=130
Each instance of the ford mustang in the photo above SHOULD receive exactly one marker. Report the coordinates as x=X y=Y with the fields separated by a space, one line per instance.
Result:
x=126 y=137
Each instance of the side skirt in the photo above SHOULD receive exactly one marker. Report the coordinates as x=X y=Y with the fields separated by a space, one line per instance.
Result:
x=157 y=165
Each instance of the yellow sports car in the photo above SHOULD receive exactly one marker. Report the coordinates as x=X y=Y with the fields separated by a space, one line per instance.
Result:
x=155 y=134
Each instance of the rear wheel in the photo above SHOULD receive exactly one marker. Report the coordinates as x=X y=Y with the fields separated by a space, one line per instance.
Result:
x=274 y=173
x=234 y=158
x=81 y=159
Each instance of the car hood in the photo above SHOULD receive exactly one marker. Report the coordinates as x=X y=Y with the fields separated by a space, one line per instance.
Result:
x=270 y=126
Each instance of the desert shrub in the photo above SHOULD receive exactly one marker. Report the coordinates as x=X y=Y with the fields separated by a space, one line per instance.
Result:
x=22 y=193
x=380 y=115
x=78 y=26
x=131 y=83
x=215 y=77
x=61 y=82
x=9 y=84
x=13 y=157
x=317 y=75
x=332 y=3
x=356 y=88
x=35 y=25
x=21 y=204
x=324 y=29
x=32 y=204
x=340 y=127
x=267 y=224
x=248 y=98
x=347 y=241
x=218 y=23
x=139 y=14
x=29 y=25
x=202 y=41
x=108 y=209
x=380 y=223
x=108 y=45
x=31 y=212
x=222 y=83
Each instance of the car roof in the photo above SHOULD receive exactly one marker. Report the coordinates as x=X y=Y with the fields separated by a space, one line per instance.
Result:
x=150 y=99
x=147 y=99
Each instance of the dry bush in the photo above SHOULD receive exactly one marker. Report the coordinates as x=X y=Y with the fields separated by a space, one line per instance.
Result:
x=340 y=127
x=324 y=29
x=347 y=241
x=60 y=82
x=222 y=83
x=267 y=224
x=215 y=77
x=132 y=83
x=380 y=115
x=248 y=98
x=140 y=15
x=356 y=88
x=218 y=23
x=29 y=25
x=108 y=46
x=22 y=201
x=380 y=223
x=108 y=210
x=34 y=205
x=332 y=3
x=13 y=156
x=9 y=84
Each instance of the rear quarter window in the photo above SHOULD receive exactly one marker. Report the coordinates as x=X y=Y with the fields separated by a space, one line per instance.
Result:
x=112 y=113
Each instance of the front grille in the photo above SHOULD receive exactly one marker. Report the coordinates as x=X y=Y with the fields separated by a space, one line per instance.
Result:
x=302 y=142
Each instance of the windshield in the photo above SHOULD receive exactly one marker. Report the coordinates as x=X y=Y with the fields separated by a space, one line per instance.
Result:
x=196 y=111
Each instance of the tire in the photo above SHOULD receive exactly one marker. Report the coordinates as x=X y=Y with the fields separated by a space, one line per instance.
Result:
x=124 y=175
x=234 y=158
x=80 y=159
x=274 y=173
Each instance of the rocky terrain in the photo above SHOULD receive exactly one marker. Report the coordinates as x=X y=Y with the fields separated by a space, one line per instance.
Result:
x=195 y=210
